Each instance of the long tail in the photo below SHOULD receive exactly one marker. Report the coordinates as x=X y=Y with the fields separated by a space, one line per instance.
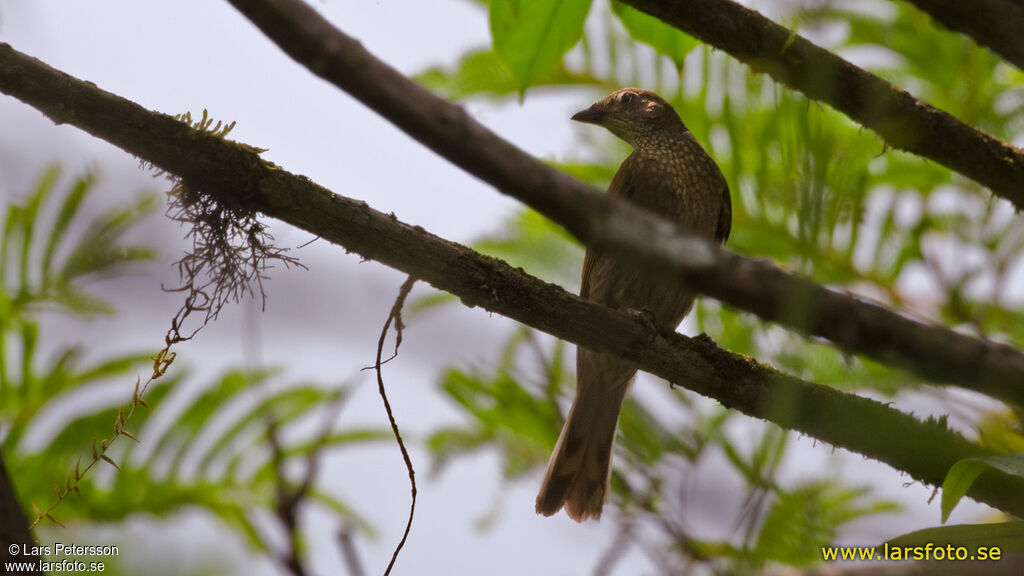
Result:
x=580 y=467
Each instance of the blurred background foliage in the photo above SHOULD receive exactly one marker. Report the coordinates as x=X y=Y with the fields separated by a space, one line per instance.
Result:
x=812 y=191
x=231 y=446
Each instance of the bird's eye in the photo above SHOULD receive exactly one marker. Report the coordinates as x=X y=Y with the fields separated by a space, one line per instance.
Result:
x=627 y=97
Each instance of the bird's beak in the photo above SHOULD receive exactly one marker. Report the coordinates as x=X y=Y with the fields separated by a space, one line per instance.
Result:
x=593 y=115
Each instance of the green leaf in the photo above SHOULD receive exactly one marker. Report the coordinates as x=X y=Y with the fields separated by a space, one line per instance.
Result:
x=98 y=252
x=530 y=241
x=31 y=384
x=111 y=366
x=660 y=36
x=75 y=437
x=343 y=510
x=963 y=474
x=194 y=417
x=531 y=36
x=12 y=227
x=518 y=416
x=481 y=73
x=446 y=443
x=597 y=174
x=644 y=437
x=1007 y=536
x=284 y=405
x=28 y=218
x=803 y=520
x=267 y=472
x=68 y=210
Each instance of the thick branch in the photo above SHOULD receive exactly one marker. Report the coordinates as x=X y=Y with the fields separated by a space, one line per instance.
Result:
x=936 y=353
x=996 y=24
x=16 y=540
x=925 y=450
x=903 y=121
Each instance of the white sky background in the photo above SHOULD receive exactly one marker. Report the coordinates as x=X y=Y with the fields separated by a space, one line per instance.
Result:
x=323 y=323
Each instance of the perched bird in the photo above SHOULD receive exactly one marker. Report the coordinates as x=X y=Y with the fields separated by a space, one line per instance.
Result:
x=669 y=174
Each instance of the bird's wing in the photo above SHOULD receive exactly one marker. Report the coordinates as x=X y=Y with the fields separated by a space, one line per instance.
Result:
x=628 y=185
x=724 y=215
x=588 y=264
x=621 y=185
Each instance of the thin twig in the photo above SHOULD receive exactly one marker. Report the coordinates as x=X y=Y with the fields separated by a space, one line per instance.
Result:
x=616 y=550
x=289 y=499
x=162 y=361
x=287 y=505
x=348 y=552
x=396 y=315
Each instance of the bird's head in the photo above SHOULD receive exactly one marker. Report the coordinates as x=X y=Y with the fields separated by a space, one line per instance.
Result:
x=632 y=114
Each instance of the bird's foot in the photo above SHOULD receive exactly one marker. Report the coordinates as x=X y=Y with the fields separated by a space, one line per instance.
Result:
x=646 y=319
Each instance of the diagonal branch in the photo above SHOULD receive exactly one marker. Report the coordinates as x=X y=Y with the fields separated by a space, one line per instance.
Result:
x=900 y=119
x=925 y=450
x=995 y=24
x=935 y=353
x=16 y=541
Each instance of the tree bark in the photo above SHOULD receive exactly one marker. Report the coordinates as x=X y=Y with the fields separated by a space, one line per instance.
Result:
x=15 y=536
x=995 y=24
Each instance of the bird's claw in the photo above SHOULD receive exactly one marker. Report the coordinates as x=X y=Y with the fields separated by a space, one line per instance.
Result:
x=646 y=318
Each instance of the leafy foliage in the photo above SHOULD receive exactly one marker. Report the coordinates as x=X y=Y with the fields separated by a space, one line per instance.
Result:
x=48 y=254
x=647 y=29
x=803 y=520
x=481 y=73
x=811 y=191
x=518 y=412
x=42 y=266
x=39 y=266
x=530 y=37
x=520 y=421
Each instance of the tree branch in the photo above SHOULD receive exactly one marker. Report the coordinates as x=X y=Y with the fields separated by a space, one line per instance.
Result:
x=16 y=540
x=617 y=228
x=925 y=450
x=995 y=24
x=901 y=120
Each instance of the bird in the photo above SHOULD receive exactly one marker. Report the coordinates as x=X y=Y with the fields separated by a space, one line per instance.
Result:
x=670 y=174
